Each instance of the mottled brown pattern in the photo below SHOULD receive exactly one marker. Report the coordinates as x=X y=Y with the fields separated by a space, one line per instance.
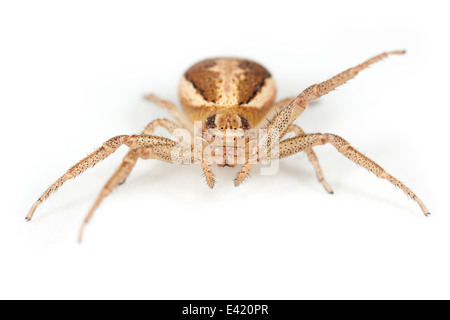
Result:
x=211 y=122
x=251 y=81
x=247 y=76
x=245 y=124
x=203 y=79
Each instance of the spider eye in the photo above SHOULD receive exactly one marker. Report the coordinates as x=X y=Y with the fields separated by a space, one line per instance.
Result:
x=213 y=135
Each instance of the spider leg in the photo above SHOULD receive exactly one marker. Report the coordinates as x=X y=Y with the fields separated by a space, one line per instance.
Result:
x=209 y=176
x=313 y=159
x=109 y=147
x=317 y=90
x=173 y=154
x=300 y=143
x=311 y=156
x=273 y=111
x=246 y=168
x=294 y=109
x=128 y=163
x=280 y=124
x=179 y=115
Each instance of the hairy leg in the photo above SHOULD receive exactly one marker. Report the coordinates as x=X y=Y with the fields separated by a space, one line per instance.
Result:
x=311 y=156
x=179 y=115
x=292 y=111
x=109 y=147
x=313 y=159
x=172 y=154
x=246 y=168
x=209 y=176
x=317 y=90
x=128 y=163
x=280 y=124
x=300 y=143
x=273 y=111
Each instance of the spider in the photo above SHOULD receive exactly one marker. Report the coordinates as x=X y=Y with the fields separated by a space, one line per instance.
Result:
x=228 y=97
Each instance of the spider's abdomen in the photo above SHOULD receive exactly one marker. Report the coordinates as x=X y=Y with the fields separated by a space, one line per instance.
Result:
x=240 y=86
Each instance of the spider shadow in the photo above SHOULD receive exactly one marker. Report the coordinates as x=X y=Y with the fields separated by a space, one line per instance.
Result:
x=178 y=181
x=306 y=176
x=295 y=168
x=378 y=197
x=187 y=184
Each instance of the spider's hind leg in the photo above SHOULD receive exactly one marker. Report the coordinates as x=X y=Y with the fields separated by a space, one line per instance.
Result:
x=128 y=163
x=176 y=112
x=300 y=143
x=313 y=159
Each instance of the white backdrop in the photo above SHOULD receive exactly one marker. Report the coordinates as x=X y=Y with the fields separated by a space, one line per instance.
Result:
x=73 y=75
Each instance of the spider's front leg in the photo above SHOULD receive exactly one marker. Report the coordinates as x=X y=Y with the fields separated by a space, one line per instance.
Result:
x=109 y=147
x=312 y=157
x=295 y=108
x=300 y=143
x=281 y=123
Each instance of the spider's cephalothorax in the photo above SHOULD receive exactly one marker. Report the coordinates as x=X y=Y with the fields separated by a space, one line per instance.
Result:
x=229 y=97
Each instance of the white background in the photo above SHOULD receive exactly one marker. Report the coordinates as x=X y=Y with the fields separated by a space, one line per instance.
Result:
x=73 y=74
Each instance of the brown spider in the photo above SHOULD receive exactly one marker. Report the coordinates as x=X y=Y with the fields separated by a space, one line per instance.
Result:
x=227 y=98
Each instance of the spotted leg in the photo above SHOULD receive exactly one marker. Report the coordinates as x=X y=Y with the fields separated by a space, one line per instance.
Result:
x=273 y=111
x=313 y=159
x=109 y=147
x=128 y=163
x=300 y=143
x=172 y=154
x=281 y=123
x=293 y=110
x=181 y=117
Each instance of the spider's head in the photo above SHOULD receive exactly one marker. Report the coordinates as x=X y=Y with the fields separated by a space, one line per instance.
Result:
x=226 y=136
